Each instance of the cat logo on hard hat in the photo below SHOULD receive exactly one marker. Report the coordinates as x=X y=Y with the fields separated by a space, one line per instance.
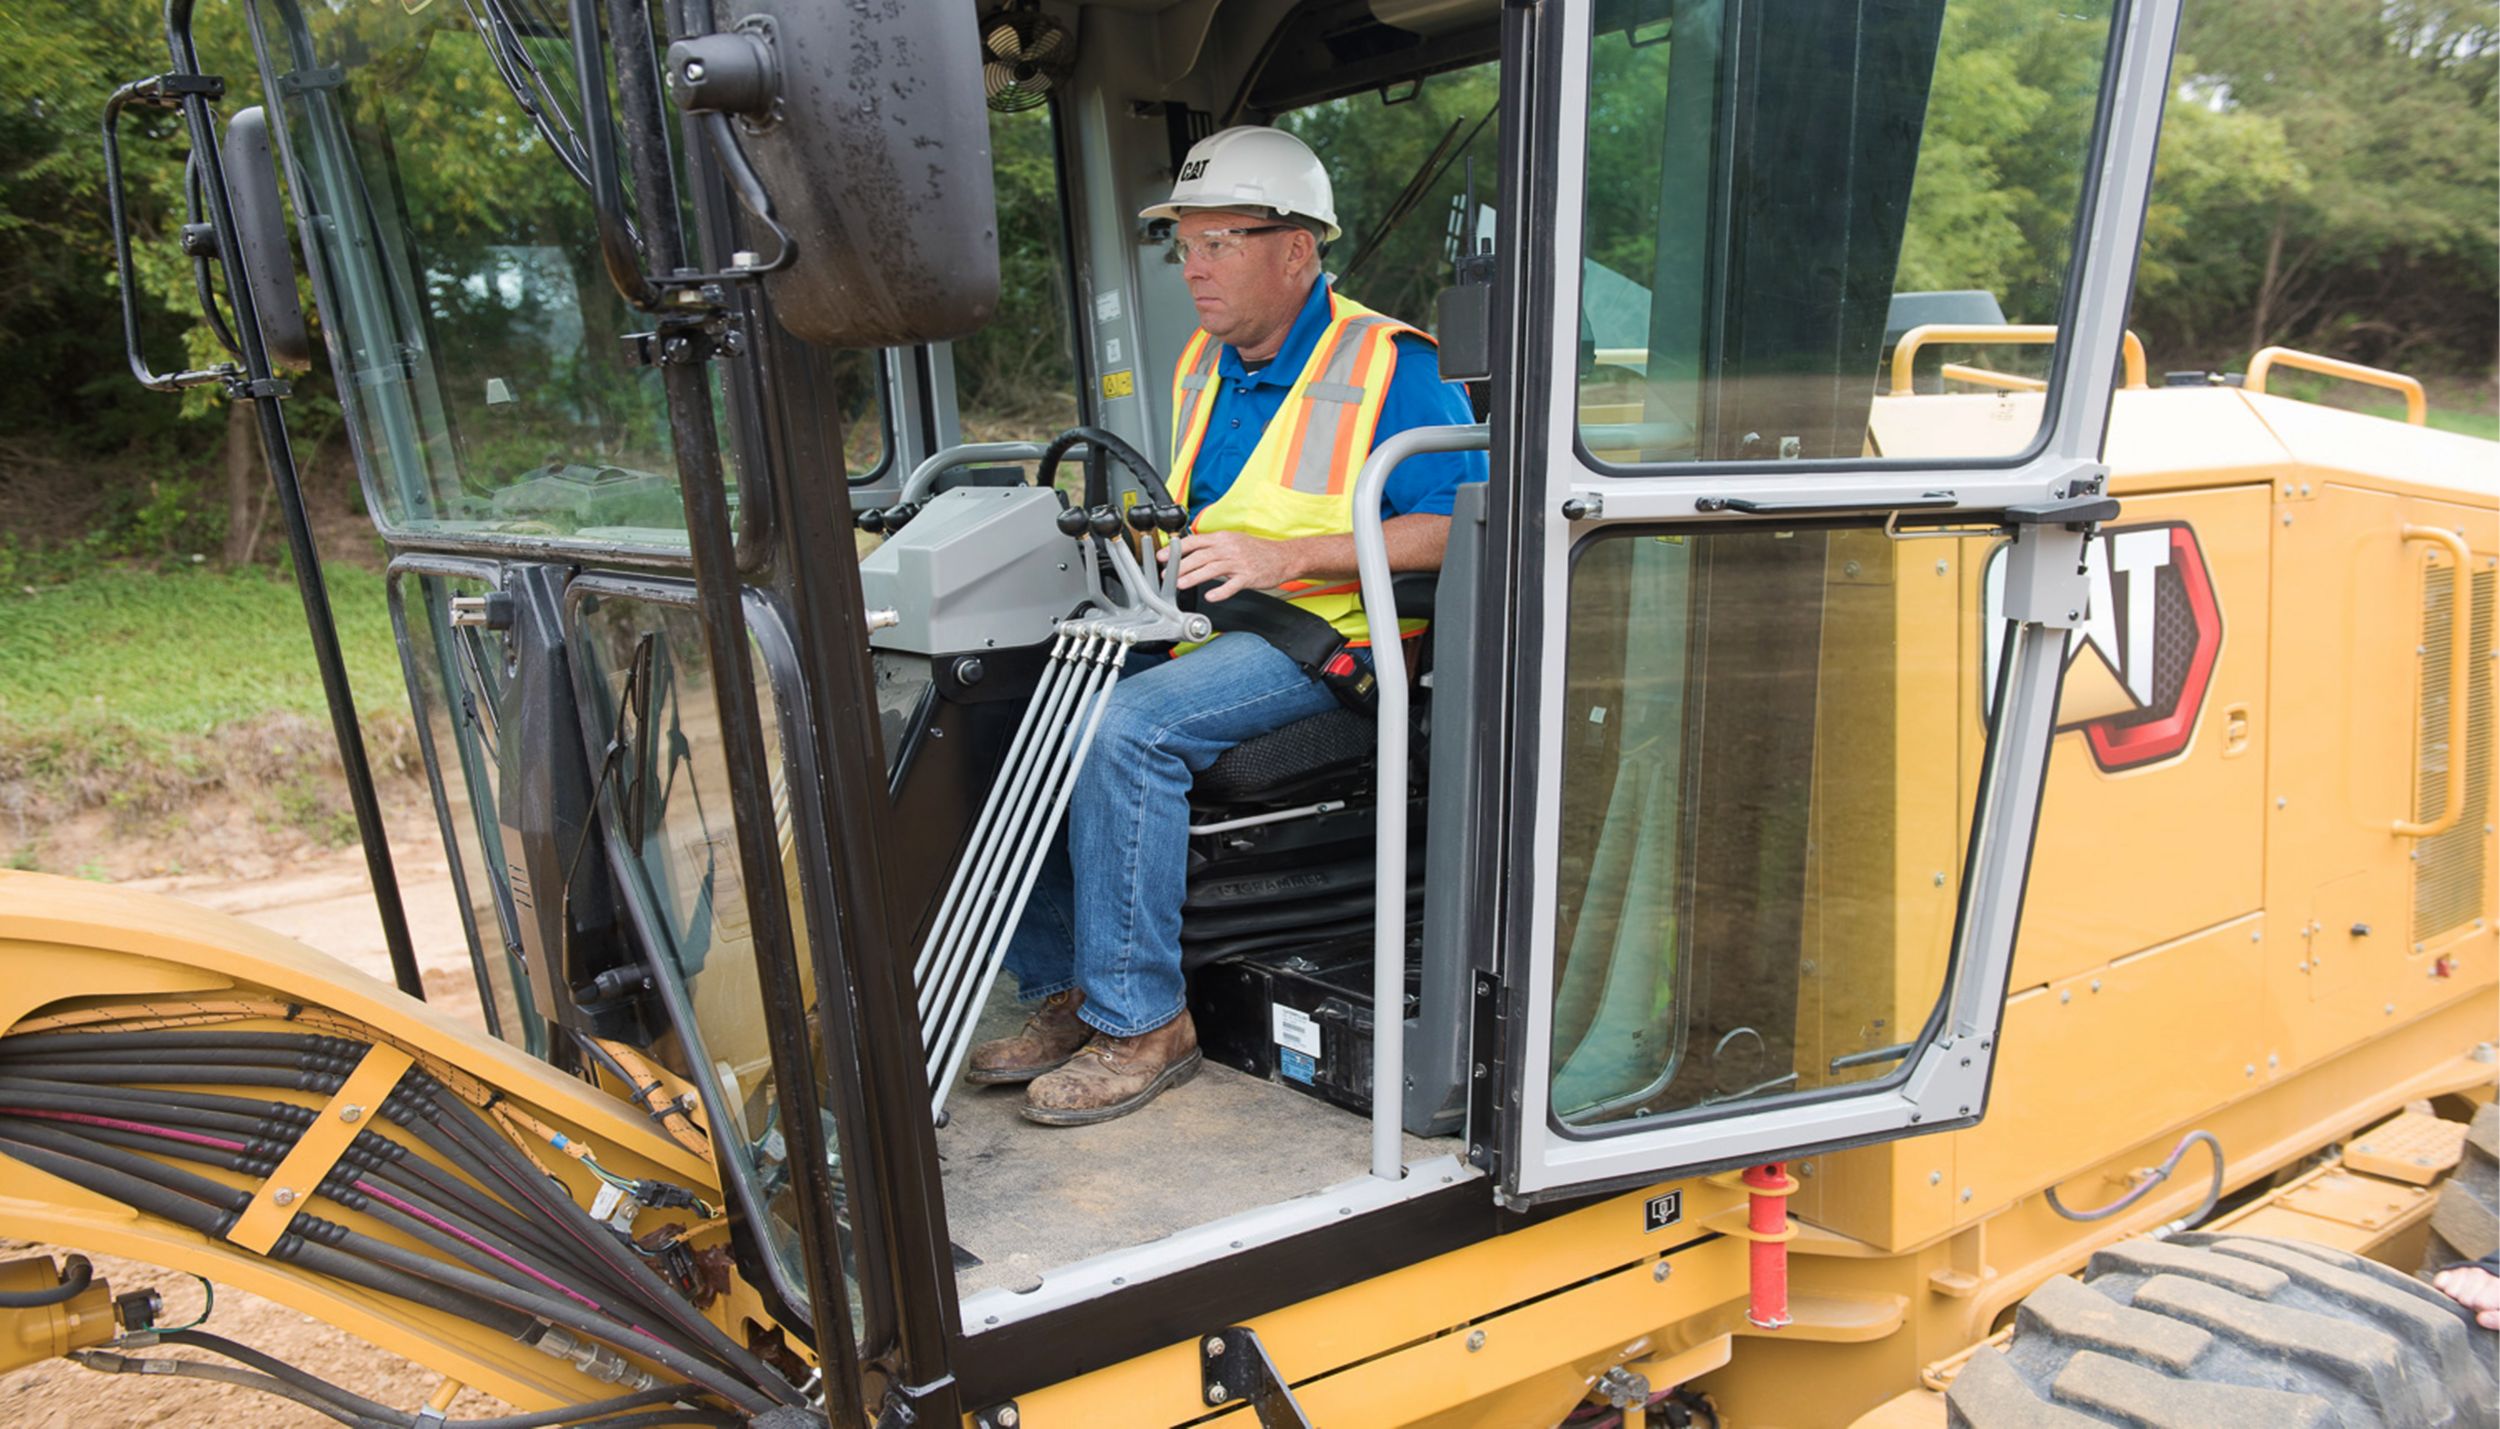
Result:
x=2138 y=666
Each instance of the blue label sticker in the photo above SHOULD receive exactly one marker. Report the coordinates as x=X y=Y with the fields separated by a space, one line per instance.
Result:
x=1297 y=1065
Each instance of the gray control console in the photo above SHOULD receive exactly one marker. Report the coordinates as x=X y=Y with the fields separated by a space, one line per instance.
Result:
x=977 y=568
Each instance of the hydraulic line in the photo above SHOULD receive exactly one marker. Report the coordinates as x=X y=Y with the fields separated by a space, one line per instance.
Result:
x=76 y=1276
x=272 y=1134
x=338 y=1394
x=324 y=1246
x=320 y=1065
x=2153 y=1178
x=210 y=1207
x=114 y=1362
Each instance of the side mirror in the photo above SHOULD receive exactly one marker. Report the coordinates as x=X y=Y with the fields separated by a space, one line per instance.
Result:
x=266 y=264
x=867 y=128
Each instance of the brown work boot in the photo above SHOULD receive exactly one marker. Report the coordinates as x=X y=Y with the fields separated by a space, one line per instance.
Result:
x=1051 y=1035
x=1114 y=1076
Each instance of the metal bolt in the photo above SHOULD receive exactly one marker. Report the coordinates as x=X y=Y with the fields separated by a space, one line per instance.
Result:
x=1940 y=879
x=2074 y=615
x=1848 y=568
x=2067 y=995
x=1942 y=567
x=1215 y=1345
x=694 y=71
x=1661 y=1271
x=284 y=1196
x=2390 y=1009
x=2282 y=803
x=2256 y=935
x=2304 y=488
x=2096 y=984
x=2249 y=1071
x=1008 y=1418
x=1475 y=1341
x=1966 y=1195
x=1935 y=1178
x=2485 y=1052
x=1805 y=1168
x=1216 y=1394
x=351 y=1114
x=2273 y=1062
x=2287 y=518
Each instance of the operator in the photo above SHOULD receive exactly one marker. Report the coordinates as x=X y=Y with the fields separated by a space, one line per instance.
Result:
x=1277 y=400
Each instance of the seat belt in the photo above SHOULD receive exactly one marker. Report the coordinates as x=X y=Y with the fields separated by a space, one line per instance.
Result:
x=1318 y=648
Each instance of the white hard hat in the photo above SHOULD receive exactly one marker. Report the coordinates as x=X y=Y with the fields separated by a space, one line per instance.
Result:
x=1251 y=166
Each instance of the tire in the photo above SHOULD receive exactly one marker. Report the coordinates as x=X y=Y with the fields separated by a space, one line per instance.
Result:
x=2465 y=1223
x=2223 y=1331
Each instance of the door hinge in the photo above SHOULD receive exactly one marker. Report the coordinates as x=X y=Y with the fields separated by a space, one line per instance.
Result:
x=1233 y=1366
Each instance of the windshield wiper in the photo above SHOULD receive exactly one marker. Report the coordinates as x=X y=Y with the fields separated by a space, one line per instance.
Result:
x=531 y=89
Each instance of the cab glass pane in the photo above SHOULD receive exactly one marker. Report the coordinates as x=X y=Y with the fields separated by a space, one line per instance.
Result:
x=1761 y=230
x=480 y=348
x=649 y=680
x=1759 y=819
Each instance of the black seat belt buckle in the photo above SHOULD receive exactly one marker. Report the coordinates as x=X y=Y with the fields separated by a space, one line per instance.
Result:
x=1350 y=680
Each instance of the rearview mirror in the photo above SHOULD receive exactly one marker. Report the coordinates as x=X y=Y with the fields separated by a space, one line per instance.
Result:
x=867 y=128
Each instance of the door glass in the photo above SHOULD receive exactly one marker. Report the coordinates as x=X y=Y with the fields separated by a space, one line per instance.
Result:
x=1758 y=820
x=456 y=677
x=1766 y=213
x=648 y=680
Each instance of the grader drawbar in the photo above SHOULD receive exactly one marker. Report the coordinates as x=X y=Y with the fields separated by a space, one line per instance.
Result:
x=1914 y=876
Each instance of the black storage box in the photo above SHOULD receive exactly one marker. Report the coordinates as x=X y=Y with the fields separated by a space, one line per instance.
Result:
x=1298 y=1016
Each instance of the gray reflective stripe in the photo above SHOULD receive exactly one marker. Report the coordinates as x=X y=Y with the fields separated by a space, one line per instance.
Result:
x=1193 y=387
x=1332 y=400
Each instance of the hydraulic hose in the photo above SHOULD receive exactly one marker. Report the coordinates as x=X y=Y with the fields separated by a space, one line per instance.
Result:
x=324 y=1246
x=76 y=1276
x=310 y=1383
x=79 y=1064
x=2159 y=1174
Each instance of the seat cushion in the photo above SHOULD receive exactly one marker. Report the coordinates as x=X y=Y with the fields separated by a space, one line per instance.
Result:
x=1289 y=761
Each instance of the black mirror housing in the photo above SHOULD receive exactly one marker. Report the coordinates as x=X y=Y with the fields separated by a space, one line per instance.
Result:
x=867 y=127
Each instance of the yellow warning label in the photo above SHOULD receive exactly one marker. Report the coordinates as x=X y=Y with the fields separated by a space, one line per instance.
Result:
x=1122 y=383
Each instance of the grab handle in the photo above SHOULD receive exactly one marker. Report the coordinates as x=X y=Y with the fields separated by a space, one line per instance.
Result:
x=2417 y=409
x=1905 y=352
x=2460 y=675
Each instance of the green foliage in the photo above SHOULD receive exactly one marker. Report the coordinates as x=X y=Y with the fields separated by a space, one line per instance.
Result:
x=180 y=654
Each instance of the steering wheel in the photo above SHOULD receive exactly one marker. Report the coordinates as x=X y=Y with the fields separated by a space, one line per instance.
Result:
x=1160 y=512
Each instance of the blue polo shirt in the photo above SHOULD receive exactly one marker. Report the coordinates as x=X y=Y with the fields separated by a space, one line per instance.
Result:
x=1245 y=402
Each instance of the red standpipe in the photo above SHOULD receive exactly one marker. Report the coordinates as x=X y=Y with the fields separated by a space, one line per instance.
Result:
x=1767 y=1190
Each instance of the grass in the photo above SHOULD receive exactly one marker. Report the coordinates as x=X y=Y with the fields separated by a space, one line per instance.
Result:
x=137 y=692
x=169 y=656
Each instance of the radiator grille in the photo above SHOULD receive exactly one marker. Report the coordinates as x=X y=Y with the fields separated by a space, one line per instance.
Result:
x=2450 y=871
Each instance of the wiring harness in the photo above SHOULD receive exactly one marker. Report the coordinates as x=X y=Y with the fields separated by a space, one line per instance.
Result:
x=505 y=1244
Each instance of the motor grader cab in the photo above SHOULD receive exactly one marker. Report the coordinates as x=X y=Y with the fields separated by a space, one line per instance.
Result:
x=754 y=643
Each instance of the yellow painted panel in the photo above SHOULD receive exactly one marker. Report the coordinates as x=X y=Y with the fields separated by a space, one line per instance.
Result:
x=2091 y=1062
x=2129 y=859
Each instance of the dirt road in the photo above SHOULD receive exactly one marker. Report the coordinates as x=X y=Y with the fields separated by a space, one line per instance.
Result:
x=324 y=900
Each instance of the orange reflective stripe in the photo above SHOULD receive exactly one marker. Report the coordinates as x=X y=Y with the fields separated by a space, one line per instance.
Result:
x=1365 y=415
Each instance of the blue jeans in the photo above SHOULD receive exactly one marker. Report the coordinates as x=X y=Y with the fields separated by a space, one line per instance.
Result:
x=1110 y=923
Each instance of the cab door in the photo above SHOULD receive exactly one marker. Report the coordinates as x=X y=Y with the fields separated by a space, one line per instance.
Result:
x=1748 y=908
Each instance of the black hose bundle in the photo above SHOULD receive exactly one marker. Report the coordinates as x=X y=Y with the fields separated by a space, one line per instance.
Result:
x=511 y=1248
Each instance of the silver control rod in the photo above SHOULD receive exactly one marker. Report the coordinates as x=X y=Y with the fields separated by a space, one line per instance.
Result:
x=1380 y=612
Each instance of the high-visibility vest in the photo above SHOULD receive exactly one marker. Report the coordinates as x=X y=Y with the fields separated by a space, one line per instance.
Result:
x=1299 y=480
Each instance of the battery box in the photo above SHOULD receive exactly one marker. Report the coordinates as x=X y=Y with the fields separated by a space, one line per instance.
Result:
x=1298 y=1016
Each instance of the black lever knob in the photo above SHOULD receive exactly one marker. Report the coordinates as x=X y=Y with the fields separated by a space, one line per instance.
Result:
x=871 y=520
x=1105 y=520
x=1170 y=517
x=897 y=516
x=1073 y=521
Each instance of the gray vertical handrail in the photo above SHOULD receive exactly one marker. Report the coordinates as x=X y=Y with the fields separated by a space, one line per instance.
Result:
x=1380 y=612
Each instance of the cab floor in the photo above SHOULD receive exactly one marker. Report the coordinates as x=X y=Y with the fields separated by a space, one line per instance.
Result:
x=1024 y=1199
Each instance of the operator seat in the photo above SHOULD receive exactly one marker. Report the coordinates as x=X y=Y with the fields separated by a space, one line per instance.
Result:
x=1297 y=868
